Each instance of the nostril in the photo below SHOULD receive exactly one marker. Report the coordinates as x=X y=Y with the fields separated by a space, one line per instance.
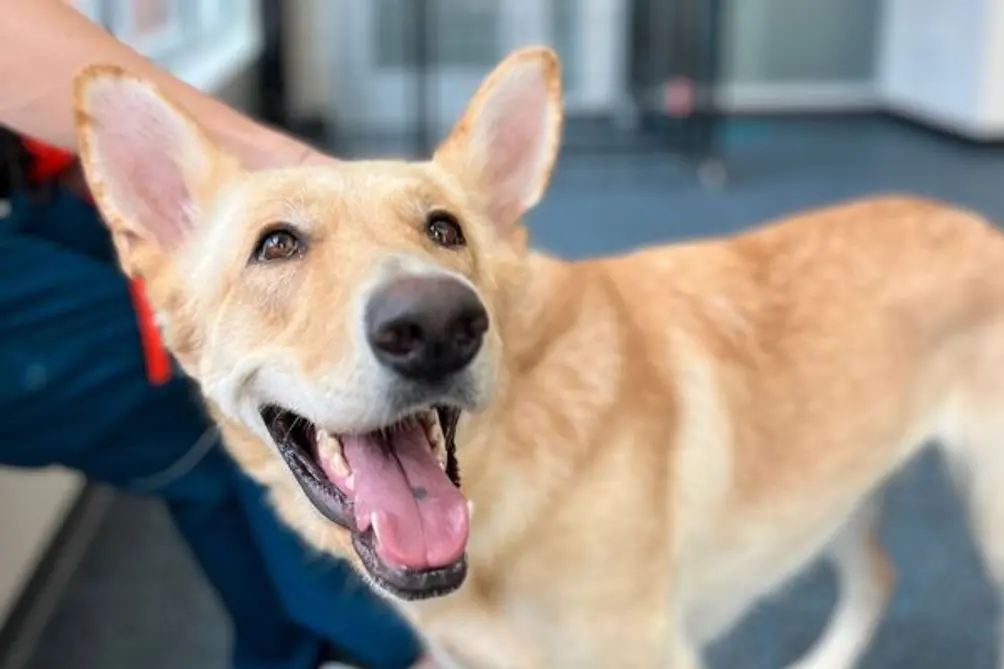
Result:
x=478 y=324
x=399 y=338
x=469 y=327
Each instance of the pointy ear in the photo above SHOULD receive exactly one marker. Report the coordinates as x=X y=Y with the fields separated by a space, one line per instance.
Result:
x=507 y=140
x=149 y=167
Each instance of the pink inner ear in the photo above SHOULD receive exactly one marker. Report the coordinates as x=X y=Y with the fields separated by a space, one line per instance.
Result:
x=140 y=146
x=514 y=128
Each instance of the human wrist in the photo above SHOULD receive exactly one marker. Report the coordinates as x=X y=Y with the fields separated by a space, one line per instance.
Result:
x=259 y=147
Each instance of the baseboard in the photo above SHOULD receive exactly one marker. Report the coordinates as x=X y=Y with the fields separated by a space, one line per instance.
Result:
x=796 y=97
x=783 y=98
x=965 y=129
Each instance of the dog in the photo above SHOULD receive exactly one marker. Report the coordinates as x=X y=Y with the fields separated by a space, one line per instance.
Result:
x=552 y=464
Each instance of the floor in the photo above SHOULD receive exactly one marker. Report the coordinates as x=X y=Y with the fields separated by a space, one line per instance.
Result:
x=114 y=616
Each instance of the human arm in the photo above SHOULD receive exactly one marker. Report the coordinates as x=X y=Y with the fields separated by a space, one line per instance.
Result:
x=46 y=43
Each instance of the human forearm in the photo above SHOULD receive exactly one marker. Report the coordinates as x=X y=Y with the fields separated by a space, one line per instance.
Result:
x=46 y=43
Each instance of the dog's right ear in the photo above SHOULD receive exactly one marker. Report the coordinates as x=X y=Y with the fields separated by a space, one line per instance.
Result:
x=149 y=167
x=506 y=143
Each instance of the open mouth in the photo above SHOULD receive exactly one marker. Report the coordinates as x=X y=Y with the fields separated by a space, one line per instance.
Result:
x=396 y=489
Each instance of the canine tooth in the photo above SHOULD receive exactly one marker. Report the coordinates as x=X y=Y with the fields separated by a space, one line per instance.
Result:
x=435 y=434
x=339 y=466
x=324 y=443
x=470 y=509
x=329 y=449
x=350 y=482
x=375 y=525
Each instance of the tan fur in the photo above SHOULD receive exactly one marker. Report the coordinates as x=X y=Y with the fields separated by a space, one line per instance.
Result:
x=673 y=432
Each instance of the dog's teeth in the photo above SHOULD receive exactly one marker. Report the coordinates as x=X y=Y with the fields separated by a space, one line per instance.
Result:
x=340 y=467
x=329 y=449
x=374 y=518
x=326 y=446
x=437 y=440
x=470 y=509
x=350 y=482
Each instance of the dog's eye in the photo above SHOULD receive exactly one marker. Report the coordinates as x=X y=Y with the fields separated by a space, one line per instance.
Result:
x=276 y=245
x=444 y=229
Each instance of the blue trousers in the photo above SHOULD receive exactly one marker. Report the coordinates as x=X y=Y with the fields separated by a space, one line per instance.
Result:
x=73 y=392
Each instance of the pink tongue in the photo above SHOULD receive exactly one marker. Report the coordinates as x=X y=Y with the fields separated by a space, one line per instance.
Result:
x=420 y=517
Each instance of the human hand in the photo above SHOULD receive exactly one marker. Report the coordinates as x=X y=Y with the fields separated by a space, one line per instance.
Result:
x=269 y=150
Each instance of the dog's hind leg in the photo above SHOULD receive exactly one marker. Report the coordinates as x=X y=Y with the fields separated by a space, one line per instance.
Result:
x=972 y=440
x=865 y=581
x=978 y=471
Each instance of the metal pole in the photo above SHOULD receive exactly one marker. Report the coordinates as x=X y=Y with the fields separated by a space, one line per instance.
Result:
x=423 y=111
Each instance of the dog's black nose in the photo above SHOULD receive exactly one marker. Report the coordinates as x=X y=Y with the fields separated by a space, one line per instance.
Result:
x=425 y=328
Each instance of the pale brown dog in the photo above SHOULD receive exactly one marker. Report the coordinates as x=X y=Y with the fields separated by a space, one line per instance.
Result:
x=550 y=464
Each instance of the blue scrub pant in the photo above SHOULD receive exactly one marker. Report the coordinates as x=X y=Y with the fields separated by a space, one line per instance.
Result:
x=73 y=392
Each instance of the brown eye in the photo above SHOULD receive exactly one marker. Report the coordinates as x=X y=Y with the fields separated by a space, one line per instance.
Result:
x=276 y=245
x=444 y=229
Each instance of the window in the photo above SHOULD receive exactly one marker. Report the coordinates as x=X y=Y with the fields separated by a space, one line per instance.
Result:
x=89 y=8
x=159 y=29
x=204 y=42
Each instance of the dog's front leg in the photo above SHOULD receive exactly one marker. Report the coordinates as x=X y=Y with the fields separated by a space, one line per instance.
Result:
x=865 y=578
x=685 y=656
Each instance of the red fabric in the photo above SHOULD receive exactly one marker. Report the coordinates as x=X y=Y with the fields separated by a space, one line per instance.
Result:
x=49 y=162
x=158 y=363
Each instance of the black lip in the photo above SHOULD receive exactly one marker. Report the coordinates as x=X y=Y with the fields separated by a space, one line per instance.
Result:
x=327 y=498
x=293 y=436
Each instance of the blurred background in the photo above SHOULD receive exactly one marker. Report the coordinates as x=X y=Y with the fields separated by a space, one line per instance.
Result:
x=686 y=118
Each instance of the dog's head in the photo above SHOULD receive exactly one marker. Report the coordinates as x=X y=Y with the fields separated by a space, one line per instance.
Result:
x=339 y=317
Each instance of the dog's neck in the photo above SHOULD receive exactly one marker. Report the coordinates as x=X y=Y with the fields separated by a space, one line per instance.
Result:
x=547 y=351
x=542 y=309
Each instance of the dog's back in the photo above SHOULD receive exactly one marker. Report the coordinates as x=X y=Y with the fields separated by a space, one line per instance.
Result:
x=811 y=358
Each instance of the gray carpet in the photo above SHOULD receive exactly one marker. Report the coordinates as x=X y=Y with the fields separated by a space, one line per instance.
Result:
x=137 y=601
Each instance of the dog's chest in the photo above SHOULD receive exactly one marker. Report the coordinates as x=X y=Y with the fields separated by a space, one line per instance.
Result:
x=465 y=632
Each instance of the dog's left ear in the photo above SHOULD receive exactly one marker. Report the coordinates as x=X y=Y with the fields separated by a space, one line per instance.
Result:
x=150 y=168
x=506 y=143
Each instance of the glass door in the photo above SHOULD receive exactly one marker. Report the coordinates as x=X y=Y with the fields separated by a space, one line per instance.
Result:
x=380 y=47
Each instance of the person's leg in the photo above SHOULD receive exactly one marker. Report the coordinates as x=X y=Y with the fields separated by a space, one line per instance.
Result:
x=327 y=596
x=73 y=393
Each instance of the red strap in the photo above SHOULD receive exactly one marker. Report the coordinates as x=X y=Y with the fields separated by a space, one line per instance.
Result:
x=48 y=162
x=158 y=363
